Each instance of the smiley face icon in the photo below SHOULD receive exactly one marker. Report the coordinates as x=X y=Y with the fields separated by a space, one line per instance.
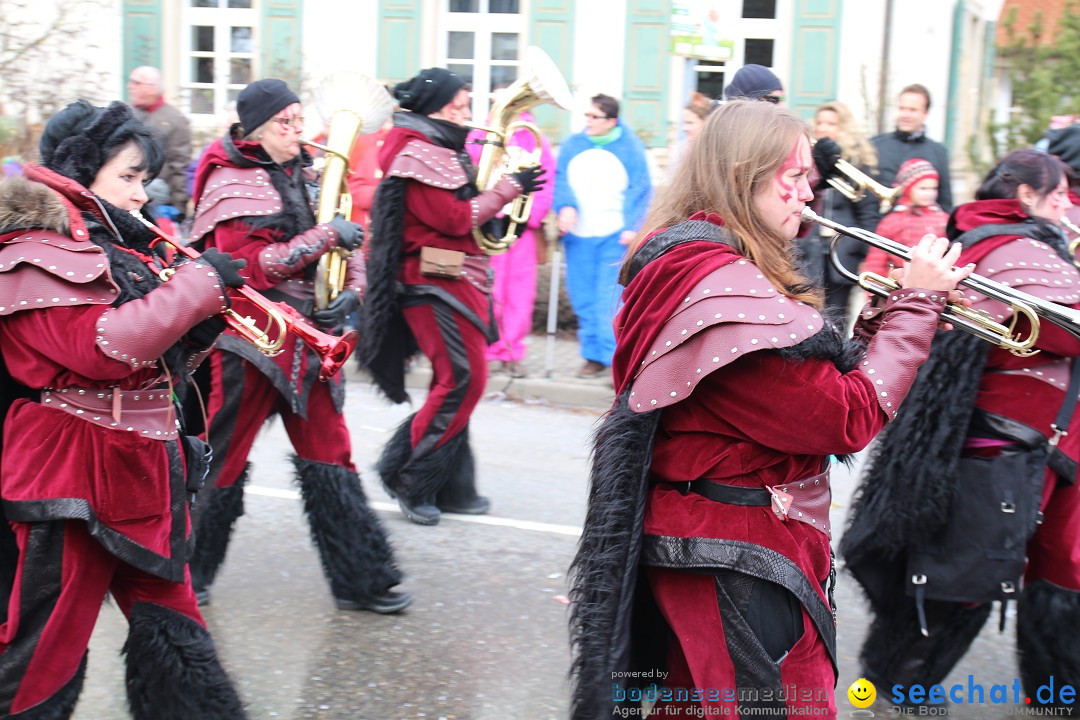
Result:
x=862 y=693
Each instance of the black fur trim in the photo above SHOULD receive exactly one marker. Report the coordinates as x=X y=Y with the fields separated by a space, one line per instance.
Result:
x=355 y=552
x=459 y=490
x=1044 y=645
x=895 y=650
x=296 y=215
x=604 y=574
x=82 y=152
x=215 y=518
x=60 y=706
x=419 y=479
x=908 y=486
x=173 y=672
x=386 y=343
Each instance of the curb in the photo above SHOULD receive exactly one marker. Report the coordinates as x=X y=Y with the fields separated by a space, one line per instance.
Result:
x=557 y=390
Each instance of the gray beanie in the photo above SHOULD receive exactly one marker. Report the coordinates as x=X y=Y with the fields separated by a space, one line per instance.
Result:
x=753 y=82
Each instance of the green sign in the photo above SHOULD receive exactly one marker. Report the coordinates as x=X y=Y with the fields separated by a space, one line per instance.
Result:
x=695 y=31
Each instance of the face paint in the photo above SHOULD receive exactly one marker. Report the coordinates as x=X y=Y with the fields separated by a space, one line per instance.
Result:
x=783 y=180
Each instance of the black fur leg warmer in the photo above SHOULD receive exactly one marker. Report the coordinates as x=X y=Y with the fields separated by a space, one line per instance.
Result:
x=1044 y=647
x=459 y=490
x=896 y=651
x=61 y=705
x=173 y=671
x=214 y=524
x=351 y=540
x=394 y=455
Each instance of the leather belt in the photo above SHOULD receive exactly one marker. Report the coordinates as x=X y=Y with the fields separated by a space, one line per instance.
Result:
x=148 y=412
x=805 y=500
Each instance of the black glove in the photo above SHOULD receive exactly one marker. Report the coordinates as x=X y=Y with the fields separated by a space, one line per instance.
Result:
x=350 y=234
x=227 y=268
x=530 y=178
x=335 y=315
x=826 y=155
x=205 y=333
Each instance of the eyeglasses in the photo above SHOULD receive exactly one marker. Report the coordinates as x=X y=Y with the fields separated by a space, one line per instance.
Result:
x=774 y=99
x=295 y=123
x=594 y=116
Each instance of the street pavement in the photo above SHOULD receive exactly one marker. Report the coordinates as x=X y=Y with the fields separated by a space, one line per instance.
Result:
x=485 y=638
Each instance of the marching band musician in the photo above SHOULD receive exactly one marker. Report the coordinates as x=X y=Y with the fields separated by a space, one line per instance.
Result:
x=252 y=201
x=705 y=553
x=980 y=418
x=95 y=477
x=430 y=291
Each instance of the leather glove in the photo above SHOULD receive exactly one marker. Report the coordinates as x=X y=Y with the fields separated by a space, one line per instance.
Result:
x=205 y=333
x=530 y=178
x=350 y=234
x=826 y=154
x=337 y=313
x=228 y=269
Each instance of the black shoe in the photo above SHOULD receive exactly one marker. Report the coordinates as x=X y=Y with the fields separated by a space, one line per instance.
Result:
x=478 y=506
x=202 y=596
x=386 y=604
x=425 y=514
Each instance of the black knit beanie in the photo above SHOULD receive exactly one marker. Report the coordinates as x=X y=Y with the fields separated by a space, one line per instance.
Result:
x=429 y=91
x=1065 y=143
x=753 y=82
x=261 y=100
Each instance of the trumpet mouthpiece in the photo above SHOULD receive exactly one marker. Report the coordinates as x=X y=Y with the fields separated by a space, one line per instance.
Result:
x=809 y=215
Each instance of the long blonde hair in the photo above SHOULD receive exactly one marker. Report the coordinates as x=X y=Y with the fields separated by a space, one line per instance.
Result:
x=739 y=151
x=855 y=147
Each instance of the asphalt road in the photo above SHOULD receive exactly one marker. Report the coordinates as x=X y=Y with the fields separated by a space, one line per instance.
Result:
x=486 y=636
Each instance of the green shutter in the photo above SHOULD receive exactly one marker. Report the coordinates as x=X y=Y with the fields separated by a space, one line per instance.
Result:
x=142 y=34
x=399 y=40
x=282 y=41
x=551 y=28
x=648 y=30
x=815 y=60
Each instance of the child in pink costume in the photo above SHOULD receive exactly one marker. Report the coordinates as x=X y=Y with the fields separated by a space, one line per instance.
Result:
x=916 y=213
x=514 y=291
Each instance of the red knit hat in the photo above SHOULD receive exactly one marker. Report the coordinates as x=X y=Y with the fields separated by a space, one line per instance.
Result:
x=911 y=172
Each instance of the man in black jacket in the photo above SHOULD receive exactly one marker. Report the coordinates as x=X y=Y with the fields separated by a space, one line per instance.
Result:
x=909 y=141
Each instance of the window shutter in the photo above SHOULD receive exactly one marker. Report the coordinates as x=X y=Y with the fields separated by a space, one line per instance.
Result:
x=399 y=40
x=142 y=35
x=281 y=53
x=551 y=28
x=814 y=61
x=648 y=29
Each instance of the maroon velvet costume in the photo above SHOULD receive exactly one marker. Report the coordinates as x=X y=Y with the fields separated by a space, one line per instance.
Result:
x=260 y=211
x=92 y=475
x=706 y=340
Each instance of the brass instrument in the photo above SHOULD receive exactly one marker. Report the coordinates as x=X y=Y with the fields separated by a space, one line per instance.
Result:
x=351 y=104
x=540 y=82
x=281 y=319
x=976 y=322
x=1075 y=242
x=856 y=183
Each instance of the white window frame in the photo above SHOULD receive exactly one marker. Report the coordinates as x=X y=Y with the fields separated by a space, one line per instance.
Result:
x=222 y=19
x=482 y=25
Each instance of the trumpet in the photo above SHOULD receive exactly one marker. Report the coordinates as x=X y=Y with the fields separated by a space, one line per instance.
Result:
x=856 y=183
x=281 y=318
x=976 y=322
x=1075 y=242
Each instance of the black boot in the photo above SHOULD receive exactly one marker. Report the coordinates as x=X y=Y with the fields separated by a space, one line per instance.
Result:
x=458 y=495
x=173 y=671
x=415 y=495
x=355 y=552
x=60 y=706
x=215 y=518
x=1045 y=649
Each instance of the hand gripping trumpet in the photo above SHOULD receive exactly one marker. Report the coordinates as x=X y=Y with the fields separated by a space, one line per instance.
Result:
x=976 y=322
x=332 y=351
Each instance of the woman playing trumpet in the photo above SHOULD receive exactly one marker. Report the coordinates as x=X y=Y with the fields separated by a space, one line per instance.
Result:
x=94 y=476
x=976 y=411
x=252 y=201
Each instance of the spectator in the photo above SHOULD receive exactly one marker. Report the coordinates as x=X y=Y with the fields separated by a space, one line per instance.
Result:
x=755 y=82
x=146 y=95
x=916 y=213
x=602 y=191
x=909 y=140
x=834 y=121
x=365 y=173
x=693 y=119
x=514 y=291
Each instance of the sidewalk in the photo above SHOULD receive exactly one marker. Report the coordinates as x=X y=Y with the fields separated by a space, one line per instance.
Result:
x=555 y=385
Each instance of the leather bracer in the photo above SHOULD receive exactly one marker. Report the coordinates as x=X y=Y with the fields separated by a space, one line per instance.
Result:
x=284 y=259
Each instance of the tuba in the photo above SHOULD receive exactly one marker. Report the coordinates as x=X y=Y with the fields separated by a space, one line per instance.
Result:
x=540 y=82
x=350 y=104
